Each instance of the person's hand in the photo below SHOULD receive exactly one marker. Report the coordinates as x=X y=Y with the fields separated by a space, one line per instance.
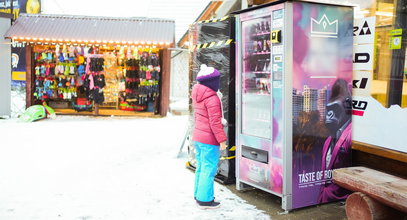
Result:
x=223 y=145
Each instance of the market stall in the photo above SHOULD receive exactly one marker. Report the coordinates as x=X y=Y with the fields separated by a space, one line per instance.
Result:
x=97 y=65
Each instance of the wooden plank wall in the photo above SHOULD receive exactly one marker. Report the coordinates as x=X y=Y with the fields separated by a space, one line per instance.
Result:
x=379 y=158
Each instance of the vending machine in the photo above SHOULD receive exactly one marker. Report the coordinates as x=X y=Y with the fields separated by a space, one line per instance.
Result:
x=293 y=99
x=212 y=43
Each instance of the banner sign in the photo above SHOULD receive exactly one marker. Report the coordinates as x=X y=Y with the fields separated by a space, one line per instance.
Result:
x=364 y=30
x=361 y=83
x=363 y=57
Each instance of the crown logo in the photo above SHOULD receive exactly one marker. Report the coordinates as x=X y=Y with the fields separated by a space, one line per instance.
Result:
x=324 y=27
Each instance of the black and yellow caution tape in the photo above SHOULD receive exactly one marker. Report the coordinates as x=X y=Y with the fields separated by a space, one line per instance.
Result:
x=227 y=158
x=233 y=148
x=212 y=44
x=212 y=20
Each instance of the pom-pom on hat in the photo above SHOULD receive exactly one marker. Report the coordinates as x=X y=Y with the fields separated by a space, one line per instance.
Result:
x=209 y=76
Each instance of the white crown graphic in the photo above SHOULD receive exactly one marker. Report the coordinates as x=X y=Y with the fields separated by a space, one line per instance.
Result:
x=324 y=28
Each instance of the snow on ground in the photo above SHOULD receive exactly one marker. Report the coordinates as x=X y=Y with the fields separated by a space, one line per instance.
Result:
x=102 y=168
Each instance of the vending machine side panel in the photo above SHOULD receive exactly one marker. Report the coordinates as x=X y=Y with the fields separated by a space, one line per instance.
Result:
x=321 y=100
x=286 y=202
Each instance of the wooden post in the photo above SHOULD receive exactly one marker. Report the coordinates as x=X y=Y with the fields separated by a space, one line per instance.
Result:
x=361 y=207
x=96 y=109
x=29 y=100
x=165 y=81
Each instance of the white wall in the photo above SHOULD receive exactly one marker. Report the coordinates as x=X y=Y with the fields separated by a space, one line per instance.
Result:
x=5 y=69
x=179 y=74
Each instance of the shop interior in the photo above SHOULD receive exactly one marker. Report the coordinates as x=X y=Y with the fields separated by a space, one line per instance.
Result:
x=82 y=78
x=389 y=16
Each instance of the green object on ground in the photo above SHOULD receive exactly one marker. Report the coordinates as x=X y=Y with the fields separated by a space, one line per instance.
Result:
x=37 y=112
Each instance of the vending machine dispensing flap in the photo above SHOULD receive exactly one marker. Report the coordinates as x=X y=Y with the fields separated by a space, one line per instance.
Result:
x=255 y=154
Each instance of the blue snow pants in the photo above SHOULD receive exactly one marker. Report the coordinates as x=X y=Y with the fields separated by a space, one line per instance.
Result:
x=207 y=158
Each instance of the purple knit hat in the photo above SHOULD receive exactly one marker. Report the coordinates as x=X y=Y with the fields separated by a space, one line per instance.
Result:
x=209 y=77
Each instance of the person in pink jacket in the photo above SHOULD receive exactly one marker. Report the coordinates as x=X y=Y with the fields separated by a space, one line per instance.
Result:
x=208 y=135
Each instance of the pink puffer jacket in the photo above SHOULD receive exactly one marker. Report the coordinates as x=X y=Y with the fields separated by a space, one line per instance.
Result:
x=208 y=115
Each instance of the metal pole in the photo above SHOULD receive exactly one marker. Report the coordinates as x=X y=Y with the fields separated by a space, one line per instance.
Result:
x=395 y=85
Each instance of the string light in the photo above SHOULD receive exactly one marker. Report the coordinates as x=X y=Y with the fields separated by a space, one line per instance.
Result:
x=104 y=43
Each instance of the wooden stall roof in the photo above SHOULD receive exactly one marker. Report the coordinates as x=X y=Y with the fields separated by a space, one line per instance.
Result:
x=92 y=28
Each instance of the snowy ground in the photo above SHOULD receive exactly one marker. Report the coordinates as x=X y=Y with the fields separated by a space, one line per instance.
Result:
x=102 y=168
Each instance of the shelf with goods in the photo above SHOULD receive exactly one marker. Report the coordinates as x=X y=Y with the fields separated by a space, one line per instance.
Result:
x=115 y=78
x=142 y=73
x=57 y=70
x=256 y=74
x=81 y=78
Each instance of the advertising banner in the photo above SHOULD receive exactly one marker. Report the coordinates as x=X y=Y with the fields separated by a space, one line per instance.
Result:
x=322 y=100
x=18 y=50
x=20 y=6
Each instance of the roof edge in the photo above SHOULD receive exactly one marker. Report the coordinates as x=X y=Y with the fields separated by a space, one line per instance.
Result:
x=67 y=16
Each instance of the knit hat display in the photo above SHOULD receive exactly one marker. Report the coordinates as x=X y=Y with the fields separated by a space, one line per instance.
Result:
x=209 y=77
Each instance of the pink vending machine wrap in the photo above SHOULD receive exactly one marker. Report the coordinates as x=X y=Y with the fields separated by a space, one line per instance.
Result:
x=293 y=98
x=322 y=122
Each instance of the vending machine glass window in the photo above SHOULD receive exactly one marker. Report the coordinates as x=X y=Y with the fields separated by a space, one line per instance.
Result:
x=256 y=102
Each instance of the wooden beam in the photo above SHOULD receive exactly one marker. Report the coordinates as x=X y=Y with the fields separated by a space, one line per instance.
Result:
x=380 y=151
x=6 y=15
x=107 y=112
x=206 y=15
x=165 y=81
x=29 y=77
x=385 y=188
x=359 y=206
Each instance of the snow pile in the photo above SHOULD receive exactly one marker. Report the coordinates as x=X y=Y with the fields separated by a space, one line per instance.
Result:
x=102 y=168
